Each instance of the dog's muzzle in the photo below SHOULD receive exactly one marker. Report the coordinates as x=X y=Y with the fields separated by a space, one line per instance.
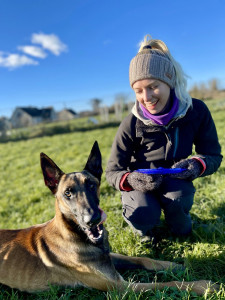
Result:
x=95 y=231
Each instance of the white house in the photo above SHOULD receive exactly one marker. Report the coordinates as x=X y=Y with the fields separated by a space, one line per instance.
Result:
x=28 y=116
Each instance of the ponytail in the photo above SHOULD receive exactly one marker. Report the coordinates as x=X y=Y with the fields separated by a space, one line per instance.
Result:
x=181 y=78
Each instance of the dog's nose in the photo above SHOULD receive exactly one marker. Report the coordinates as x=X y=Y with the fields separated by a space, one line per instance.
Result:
x=92 y=219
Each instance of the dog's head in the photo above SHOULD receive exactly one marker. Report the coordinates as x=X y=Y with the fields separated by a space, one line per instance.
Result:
x=77 y=193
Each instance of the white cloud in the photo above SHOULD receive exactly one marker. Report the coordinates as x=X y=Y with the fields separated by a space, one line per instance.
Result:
x=50 y=42
x=13 y=61
x=33 y=51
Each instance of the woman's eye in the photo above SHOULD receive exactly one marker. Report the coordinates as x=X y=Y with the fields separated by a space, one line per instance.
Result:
x=68 y=194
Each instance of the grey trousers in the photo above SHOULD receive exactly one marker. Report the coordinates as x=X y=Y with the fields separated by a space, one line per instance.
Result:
x=174 y=196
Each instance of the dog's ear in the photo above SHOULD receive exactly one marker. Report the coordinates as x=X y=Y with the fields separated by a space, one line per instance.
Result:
x=51 y=172
x=94 y=162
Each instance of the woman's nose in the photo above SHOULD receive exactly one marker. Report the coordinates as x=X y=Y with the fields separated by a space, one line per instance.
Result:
x=147 y=95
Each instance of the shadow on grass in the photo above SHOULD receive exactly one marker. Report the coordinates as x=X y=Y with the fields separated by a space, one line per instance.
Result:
x=209 y=267
x=219 y=210
x=55 y=292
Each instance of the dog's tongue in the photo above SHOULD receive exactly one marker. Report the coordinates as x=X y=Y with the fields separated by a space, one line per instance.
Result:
x=103 y=215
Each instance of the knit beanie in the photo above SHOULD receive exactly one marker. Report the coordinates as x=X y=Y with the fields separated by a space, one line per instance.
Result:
x=152 y=64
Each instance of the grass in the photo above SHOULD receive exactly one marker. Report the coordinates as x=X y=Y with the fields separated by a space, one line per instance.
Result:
x=26 y=201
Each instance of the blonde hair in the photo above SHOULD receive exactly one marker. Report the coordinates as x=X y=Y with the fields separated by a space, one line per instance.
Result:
x=181 y=78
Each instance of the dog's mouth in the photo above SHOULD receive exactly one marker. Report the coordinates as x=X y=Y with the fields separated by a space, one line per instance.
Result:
x=95 y=233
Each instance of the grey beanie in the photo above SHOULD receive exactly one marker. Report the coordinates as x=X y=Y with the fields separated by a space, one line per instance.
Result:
x=152 y=63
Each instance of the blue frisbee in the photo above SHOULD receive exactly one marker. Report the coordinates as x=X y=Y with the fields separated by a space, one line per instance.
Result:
x=161 y=171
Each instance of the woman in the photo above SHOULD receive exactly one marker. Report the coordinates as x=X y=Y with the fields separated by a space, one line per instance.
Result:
x=161 y=130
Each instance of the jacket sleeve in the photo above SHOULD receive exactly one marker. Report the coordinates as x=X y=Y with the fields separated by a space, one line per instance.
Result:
x=121 y=152
x=206 y=142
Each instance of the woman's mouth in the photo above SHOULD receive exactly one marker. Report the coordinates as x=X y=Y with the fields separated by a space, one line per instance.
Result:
x=151 y=105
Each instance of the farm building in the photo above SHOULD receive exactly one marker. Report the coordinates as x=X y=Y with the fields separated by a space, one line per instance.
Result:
x=66 y=115
x=28 y=116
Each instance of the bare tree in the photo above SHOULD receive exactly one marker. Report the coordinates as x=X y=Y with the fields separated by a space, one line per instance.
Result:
x=205 y=91
x=214 y=85
x=119 y=105
x=195 y=91
x=95 y=103
x=104 y=112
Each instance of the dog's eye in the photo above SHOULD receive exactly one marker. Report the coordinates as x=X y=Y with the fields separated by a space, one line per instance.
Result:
x=68 y=194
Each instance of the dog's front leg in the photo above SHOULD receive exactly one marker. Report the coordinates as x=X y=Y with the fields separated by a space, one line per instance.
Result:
x=122 y=262
x=105 y=284
x=199 y=287
x=104 y=281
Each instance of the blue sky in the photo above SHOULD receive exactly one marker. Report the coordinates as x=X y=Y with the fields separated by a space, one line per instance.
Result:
x=63 y=53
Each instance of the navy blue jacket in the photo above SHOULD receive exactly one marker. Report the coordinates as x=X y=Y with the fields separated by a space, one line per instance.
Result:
x=137 y=145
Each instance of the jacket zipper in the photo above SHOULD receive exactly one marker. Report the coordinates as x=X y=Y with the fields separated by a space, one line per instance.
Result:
x=176 y=140
x=169 y=143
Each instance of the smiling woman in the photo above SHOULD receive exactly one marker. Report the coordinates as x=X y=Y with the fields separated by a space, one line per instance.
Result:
x=152 y=94
x=160 y=132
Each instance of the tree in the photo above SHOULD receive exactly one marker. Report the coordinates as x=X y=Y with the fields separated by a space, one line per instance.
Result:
x=95 y=103
x=120 y=101
x=203 y=91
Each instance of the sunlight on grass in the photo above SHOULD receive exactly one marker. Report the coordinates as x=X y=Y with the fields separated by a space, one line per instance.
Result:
x=26 y=201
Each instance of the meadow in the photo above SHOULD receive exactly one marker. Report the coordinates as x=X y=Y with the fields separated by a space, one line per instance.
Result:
x=25 y=201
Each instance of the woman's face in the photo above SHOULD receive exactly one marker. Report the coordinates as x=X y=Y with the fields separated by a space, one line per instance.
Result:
x=153 y=94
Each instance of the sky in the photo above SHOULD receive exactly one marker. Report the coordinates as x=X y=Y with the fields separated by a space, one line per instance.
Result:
x=64 y=53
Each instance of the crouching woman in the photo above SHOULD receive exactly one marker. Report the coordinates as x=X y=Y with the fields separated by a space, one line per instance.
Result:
x=164 y=125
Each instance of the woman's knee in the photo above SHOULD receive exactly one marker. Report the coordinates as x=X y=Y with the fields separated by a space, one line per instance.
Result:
x=178 y=219
x=142 y=215
x=176 y=190
x=140 y=208
x=177 y=202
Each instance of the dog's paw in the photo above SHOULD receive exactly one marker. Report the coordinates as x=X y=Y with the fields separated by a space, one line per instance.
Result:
x=201 y=287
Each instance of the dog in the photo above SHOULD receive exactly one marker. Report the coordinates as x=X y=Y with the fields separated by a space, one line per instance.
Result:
x=72 y=249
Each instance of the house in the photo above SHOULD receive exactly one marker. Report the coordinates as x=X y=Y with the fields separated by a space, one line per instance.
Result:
x=5 y=126
x=28 y=116
x=66 y=115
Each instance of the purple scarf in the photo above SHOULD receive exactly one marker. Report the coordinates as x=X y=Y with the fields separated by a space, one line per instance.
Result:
x=164 y=118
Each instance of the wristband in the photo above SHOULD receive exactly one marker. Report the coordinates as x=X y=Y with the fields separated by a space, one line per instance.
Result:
x=202 y=162
x=124 y=185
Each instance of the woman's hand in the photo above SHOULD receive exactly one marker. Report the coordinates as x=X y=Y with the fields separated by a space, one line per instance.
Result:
x=143 y=182
x=193 y=166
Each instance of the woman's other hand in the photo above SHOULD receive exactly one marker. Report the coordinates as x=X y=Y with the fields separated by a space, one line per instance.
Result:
x=143 y=182
x=193 y=169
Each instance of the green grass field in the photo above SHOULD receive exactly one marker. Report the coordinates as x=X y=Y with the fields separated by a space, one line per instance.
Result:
x=26 y=201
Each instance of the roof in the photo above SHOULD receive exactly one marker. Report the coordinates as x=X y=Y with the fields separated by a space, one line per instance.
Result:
x=36 y=112
x=70 y=111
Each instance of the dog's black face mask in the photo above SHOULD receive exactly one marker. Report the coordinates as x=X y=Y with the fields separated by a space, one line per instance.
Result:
x=78 y=200
x=78 y=193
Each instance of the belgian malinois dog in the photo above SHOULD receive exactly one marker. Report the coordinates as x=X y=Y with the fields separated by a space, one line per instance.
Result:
x=72 y=249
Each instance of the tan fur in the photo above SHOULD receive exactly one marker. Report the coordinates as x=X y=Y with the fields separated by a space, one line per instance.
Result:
x=58 y=253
